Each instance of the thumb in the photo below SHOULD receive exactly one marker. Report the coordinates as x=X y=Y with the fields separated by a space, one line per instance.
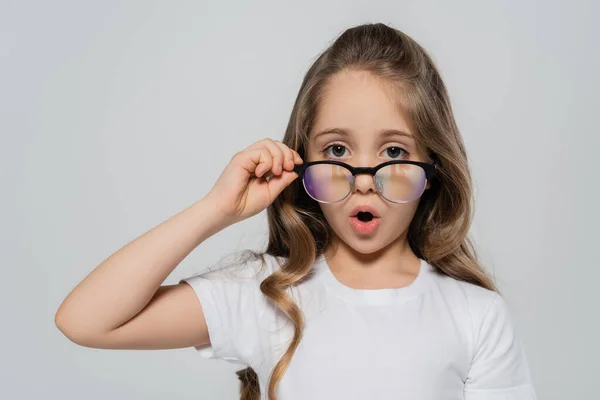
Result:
x=279 y=182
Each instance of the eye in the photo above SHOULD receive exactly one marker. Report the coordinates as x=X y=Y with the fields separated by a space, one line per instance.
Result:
x=338 y=150
x=395 y=151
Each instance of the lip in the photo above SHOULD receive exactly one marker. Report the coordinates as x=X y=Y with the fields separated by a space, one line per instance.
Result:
x=364 y=208
x=364 y=228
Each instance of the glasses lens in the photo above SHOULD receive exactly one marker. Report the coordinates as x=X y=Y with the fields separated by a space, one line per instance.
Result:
x=327 y=182
x=398 y=183
x=401 y=183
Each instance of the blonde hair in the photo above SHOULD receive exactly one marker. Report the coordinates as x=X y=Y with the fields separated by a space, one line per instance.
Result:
x=439 y=230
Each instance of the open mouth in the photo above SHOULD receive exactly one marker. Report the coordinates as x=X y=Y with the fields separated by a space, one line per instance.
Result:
x=365 y=223
x=364 y=216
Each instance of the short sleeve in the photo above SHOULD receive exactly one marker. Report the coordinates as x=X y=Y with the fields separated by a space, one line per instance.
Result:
x=232 y=304
x=499 y=369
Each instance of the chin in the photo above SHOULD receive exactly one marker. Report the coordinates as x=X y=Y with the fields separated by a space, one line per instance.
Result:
x=364 y=248
x=364 y=245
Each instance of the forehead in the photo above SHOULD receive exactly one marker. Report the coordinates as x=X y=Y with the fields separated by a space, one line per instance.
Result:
x=361 y=103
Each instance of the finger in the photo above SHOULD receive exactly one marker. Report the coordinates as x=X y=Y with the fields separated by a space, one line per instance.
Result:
x=266 y=162
x=277 y=183
x=288 y=155
x=275 y=151
x=277 y=154
x=297 y=158
x=258 y=144
x=266 y=141
x=256 y=161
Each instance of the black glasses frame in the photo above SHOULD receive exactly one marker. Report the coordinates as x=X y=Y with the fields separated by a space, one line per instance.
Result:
x=429 y=169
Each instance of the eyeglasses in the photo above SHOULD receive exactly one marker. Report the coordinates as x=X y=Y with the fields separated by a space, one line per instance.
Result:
x=398 y=181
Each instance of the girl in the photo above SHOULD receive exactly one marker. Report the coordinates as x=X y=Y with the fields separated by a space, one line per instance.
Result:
x=369 y=286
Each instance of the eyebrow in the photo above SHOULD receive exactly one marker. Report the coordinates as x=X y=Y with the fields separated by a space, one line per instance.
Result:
x=384 y=133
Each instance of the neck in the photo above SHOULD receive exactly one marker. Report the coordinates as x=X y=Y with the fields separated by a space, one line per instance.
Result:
x=395 y=258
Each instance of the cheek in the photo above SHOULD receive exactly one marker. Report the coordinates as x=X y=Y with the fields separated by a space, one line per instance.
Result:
x=336 y=218
x=332 y=215
x=399 y=219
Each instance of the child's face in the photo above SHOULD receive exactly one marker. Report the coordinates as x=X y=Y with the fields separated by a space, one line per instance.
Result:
x=363 y=107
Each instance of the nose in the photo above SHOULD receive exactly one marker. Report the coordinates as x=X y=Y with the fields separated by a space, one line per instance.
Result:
x=364 y=183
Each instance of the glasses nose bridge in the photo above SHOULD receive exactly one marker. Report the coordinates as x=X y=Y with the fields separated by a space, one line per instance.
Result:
x=364 y=170
x=371 y=184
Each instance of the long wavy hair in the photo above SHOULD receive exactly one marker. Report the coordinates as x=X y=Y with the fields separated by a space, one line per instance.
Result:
x=439 y=230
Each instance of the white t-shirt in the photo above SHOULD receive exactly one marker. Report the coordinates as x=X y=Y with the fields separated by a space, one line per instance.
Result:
x=438 y=338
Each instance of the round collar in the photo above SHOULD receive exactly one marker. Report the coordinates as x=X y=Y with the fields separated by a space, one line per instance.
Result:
x=384 y=296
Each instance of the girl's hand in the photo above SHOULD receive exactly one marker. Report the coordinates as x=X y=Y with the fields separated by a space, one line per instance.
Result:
x=253 y=179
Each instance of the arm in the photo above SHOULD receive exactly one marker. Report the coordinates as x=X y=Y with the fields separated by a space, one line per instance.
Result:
x=121 y=304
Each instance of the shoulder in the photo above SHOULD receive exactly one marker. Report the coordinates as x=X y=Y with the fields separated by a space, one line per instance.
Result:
x=471 y=301
x=482 y=315
x=234 y=308
x=242 y=266
x=475 y=296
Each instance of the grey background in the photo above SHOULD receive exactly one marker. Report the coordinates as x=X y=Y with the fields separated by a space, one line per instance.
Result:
x=116 y=115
